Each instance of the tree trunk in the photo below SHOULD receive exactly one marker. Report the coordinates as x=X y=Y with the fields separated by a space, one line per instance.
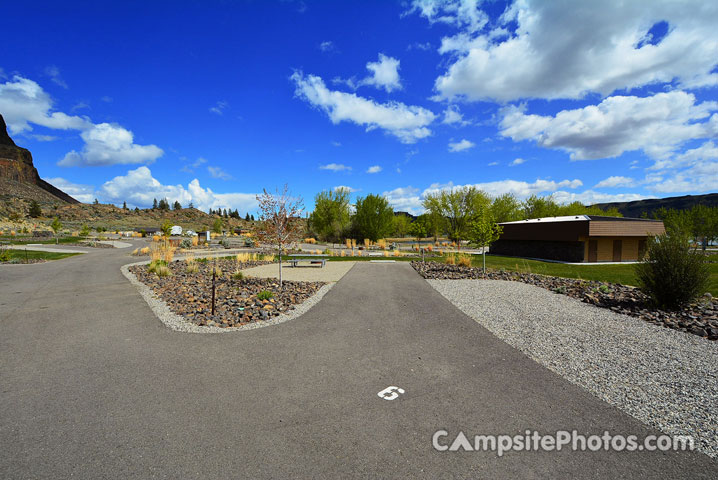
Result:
x=280 y=265
x=483 y=254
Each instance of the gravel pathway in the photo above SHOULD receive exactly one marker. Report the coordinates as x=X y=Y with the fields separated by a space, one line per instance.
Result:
x=331 y=272
x=662 y=377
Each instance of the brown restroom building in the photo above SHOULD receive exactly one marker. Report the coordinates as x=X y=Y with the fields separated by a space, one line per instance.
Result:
x=577 y=238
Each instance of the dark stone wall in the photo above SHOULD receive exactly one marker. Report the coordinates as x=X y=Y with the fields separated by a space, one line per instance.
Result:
x=564 y=251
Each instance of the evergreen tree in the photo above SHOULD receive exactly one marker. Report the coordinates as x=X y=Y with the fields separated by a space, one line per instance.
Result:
x=154 y=204
x=177 y=205
x=252 y=218
x=191 y=205
x=124 y=205
x=35 y=210
x=246 y=218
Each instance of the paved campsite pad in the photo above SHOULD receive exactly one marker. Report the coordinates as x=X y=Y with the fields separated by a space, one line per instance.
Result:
x=331 y=272
x=97 y=387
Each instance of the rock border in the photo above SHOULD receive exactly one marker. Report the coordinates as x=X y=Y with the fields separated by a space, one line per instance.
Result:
x=179 y=324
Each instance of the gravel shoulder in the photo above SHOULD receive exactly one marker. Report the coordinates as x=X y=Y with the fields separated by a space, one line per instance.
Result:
x=664 y=378
x=331 y=272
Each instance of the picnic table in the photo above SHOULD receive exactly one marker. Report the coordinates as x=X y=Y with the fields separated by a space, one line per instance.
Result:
x=296 y=259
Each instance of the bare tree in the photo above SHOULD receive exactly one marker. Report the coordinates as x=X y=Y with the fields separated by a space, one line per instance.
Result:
x=280 y=220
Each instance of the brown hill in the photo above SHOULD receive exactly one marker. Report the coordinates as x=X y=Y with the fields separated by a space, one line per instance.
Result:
x=647 y=207
x=17 y=167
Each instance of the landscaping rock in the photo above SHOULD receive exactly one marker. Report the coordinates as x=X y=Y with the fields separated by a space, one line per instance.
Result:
x=699 y=318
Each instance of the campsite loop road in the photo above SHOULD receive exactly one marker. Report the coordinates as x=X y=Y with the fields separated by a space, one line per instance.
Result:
x=94 y=386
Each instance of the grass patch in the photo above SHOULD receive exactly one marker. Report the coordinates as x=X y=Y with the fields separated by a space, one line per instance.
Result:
x=48 y=241
x=19 y=255
x=623 y=274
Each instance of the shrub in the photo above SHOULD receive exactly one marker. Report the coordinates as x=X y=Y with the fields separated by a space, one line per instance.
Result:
x=136 y=251
x=672 y=273
x=238 y=275
x=265 y=295
x=85 y=230
x=192 y=267
x=144 y=250
x=4 y=254
x=186 y=243
x=327 y=252
x=464 y=260
x=163 y=271
x=310 y=241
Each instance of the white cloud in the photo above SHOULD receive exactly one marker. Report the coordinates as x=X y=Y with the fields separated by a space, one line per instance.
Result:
x=217 y=172
x=327 y=46
x=613 y=52
x=23 y=101
x=335 y=167
x=461 y=146
x=519 y=188
x=589 y=197
x=695 y=170
x=407 y=123
x=54 y=73
x=517 y=161
x=384 y=74
x=462 y=13
x=138 y=187
x=349 y=189
x=657 y=125
x=107 y=144
x=83 y=193
x=493 y=164
x=337 y=144
x=190 y=167
x=452 y=116
x=406 y=199
x=374 y=169
x=615 y=182
x=219 y=107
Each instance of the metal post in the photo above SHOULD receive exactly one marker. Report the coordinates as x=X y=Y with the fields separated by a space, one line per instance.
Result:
x=26 y=260
x=214 y=274
x=422 y=254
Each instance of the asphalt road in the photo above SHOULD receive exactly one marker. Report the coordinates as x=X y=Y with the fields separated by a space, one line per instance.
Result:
x=94 y=386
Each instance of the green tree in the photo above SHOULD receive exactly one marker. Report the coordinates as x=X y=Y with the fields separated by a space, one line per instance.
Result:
x=217 y=226
x=506 y=208
x=85 y=230
x=177 y=205
x=483 y=231
x=166 y=228
x=374 y=217
x=539 y=207
x=56 y=227
x=459 y=206
x=154 y=204
x=35 y=210
x=331 y=217
x=124 y=205
x=401 y=225
x=419 y=228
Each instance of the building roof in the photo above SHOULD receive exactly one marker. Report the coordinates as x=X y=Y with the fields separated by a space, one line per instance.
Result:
x=579 y=218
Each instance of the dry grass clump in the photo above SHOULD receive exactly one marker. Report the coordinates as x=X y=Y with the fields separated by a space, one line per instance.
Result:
x=192 y=267
x=358 y=253
x=381 y=243
x=386 y=253
x=216 y=270
x=195 y=241
x=450 y=260
x=144 y=251
x=268 y=258
x=430 y=248
x=135 y=252
x=367 y=242
x=244 y=257
x=310 y=241
x=342 y=254
x=464 y=260
x=162 y=271
x=156 y=238
x=397 y=253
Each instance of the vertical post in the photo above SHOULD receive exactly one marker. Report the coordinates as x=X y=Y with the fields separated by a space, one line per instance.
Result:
x=422 y=254
x=280 y=265
x=483 y=254
x=26 y=260
x=214 y=274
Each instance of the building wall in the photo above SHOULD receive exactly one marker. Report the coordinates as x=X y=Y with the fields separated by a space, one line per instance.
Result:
x=625 y=228
x=564 y=251
x=629 y=248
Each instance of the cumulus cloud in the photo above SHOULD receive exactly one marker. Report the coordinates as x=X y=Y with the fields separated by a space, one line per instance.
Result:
x=24 y=102
x=615 y=182
x=78 y=191
x=217 y=172
x=461 y=146
x=348 y=189
x=374 y=169
x=452 y=116
x=656 y=125
x=107 y=144
x=407 y=123
x=406 y=199
x=384 y=74
x=695 y=170
x=327 y=46
x=335 y=167
x=138 y=187
x=517 y=161
x=624 y=45
x=517 y=187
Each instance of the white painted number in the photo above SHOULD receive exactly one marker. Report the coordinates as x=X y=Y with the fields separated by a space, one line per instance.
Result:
x=390 y=393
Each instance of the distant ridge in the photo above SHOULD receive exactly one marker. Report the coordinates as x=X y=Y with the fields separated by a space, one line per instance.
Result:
x=16 y=167
x=639 y=207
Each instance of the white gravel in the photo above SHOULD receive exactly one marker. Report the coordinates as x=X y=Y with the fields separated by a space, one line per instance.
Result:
x=178 y=323
x=664 y=378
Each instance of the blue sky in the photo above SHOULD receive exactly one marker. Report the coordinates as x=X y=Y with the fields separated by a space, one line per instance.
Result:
x=211 y=102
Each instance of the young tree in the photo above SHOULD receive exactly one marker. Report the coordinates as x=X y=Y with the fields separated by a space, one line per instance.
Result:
x=217 y=226
x=279 y=220
x=35 y=210
x=419 y=227
x=374 y=217
x=56 y=226
x=483 y=231
x=330 y=218
x=458 y=206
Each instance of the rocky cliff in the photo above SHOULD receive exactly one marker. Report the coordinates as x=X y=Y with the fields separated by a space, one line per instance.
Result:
x=16 y=164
